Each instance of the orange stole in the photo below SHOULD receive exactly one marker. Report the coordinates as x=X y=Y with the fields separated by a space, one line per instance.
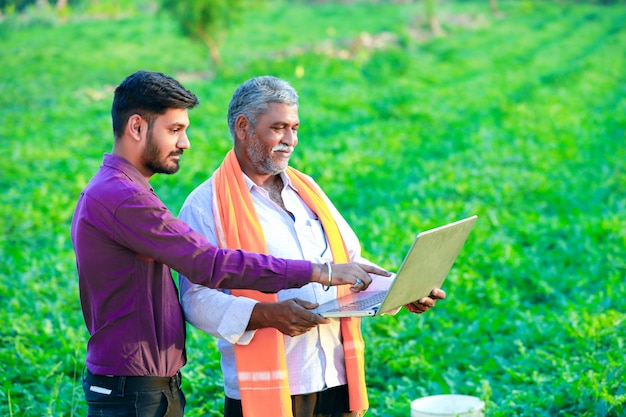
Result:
x=261 y=365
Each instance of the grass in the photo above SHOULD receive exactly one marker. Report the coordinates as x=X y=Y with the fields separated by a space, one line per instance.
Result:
x=520 y=120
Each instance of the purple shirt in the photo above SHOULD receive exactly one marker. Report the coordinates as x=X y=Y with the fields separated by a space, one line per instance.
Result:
x=125 y=241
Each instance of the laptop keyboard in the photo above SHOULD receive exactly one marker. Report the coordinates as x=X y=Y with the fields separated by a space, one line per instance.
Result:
x=365 y=302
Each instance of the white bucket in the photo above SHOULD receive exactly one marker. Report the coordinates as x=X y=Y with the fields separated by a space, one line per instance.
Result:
x=447 y=406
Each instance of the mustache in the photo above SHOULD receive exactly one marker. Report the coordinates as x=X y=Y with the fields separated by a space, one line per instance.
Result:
x=282 y=147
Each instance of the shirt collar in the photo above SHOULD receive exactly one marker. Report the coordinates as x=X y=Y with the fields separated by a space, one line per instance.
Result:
x=283 y=176
x=121 y=164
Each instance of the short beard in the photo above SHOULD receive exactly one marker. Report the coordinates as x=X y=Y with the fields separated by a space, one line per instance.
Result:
x=261 y=159
x=151 y=157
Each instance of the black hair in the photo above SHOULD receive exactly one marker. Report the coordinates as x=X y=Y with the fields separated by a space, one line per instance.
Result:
x=148 y=94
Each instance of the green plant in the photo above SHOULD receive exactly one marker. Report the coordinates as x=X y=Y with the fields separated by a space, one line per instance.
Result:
x=207 y=21
x=520 y=120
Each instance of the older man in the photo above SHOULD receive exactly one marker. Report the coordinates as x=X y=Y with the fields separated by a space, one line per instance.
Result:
x=278 y=358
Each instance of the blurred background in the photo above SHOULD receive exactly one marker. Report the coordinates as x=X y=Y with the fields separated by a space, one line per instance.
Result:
x=414 y=114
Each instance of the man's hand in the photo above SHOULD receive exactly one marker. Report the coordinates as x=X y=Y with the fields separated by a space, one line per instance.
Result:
x=426 y=303
x=353 y=273
x=291 y=317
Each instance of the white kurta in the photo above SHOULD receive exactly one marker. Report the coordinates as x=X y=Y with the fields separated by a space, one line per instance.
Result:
x=315 y=360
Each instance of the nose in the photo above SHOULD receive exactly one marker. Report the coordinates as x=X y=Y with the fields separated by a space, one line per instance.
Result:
x=183 y=141
x=291 y=137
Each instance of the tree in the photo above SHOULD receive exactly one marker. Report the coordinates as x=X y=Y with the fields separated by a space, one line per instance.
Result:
x=207 y=21
x=431 y=16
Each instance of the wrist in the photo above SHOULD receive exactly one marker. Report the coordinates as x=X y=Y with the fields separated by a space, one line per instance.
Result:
x=260 y=317
x=318 y=273
x=330 y=276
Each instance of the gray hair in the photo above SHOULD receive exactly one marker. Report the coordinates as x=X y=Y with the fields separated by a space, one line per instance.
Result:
x=251 y=98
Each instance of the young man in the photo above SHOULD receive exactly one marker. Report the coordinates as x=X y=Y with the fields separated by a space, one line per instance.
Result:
x=255 y=201
x=126 y=240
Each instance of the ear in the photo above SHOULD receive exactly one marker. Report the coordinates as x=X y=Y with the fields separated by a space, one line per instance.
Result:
x=242 y=127
x=135 y=127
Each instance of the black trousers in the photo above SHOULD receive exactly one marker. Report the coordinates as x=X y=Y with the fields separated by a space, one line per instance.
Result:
x=332 y=402
x=143 y=396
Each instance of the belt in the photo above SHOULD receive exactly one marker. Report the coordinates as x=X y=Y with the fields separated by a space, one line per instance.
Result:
x=119 y=385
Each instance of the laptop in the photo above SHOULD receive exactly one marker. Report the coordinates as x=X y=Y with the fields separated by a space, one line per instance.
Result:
x=424 y=268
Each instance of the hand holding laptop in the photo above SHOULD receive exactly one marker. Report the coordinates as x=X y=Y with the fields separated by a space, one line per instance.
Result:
x=424 y=304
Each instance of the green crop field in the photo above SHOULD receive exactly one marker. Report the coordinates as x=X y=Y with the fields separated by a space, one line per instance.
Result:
x=519 y=118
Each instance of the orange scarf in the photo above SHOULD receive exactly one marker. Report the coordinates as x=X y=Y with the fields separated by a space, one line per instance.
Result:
x=261 y=365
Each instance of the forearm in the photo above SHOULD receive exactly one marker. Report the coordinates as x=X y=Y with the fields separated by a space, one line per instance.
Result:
x=262 y=316
x=236 y=269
